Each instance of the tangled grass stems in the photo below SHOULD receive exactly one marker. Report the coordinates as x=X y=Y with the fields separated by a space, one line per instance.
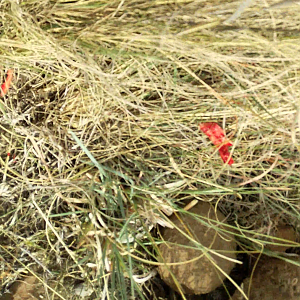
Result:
x=132 y=80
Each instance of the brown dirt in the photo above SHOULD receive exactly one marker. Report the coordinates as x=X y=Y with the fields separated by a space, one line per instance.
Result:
x=273 y=279
x=199 y=276
x=27 y=289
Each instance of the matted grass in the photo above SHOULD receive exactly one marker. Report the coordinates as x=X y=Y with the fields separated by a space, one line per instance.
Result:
x=101 y=124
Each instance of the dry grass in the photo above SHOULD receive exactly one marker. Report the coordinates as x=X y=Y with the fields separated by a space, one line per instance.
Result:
x=101 y=124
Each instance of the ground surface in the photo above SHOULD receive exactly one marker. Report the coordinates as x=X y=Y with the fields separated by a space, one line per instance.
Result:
x=100 y=140
x=272 y=279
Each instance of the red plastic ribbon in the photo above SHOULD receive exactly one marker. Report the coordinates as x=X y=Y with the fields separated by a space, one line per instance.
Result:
x=5 y=86
x=217 y=136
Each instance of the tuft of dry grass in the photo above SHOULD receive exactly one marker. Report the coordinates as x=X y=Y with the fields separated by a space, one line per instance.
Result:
x=101 y=124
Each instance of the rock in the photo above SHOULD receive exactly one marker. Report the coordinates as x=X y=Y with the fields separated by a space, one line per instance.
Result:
x=283 y=232
x=82 y=290
x=199 y=276
x=273 y=279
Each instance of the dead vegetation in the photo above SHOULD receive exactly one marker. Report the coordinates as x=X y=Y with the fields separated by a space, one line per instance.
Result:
x=101 y=128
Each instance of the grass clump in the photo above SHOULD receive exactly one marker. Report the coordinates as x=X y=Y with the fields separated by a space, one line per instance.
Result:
x=101 y=124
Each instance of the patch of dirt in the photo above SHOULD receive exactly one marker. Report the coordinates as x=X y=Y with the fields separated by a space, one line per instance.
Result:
x=199 y=275
x=27 y=289
x=273 y=279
